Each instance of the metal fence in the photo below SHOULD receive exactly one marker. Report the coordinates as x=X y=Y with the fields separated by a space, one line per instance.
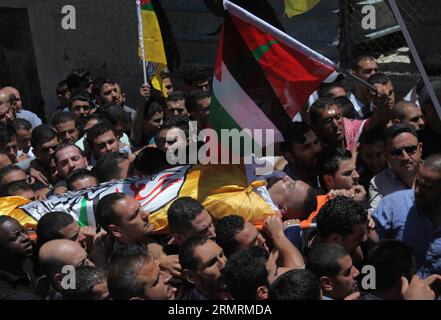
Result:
x=385 y=41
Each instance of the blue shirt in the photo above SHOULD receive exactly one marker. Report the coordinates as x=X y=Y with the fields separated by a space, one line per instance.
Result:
x=398 y=218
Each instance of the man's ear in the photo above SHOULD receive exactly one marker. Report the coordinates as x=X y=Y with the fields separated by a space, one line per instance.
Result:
x=179 y=239
x=288 y=156
x=189 y=275
x=334 y=238
x=114 y=230
x=329 y=181
x=326 y=284
x=58 y=277
x=395 y=121
x=262 y=293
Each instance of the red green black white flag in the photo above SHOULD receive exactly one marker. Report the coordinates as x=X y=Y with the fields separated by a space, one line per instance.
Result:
x=263 y=76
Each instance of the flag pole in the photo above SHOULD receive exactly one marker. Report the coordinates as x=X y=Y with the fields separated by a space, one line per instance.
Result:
x=141 y=40
x=353 y=76
x=415 y=55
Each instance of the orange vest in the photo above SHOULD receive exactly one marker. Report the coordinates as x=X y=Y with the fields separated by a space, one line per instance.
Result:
x=321 y=200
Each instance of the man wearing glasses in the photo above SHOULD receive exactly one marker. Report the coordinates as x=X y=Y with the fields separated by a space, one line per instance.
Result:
x=403 y=154
x=413 y=216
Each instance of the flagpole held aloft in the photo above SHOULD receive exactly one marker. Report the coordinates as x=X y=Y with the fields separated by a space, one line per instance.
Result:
x=141 y=40
x=362 y=81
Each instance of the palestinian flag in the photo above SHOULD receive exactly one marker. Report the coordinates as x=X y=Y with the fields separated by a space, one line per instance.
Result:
x=263 y=77
x=154 y=52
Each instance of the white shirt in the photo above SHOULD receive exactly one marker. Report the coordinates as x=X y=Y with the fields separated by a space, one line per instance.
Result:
x=30 y=116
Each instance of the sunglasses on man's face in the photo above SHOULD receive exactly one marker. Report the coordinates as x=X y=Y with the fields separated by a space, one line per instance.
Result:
x=410 y=150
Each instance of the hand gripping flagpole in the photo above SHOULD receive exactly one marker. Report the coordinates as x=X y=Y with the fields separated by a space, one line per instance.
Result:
x=141 y=39
x=415 y=55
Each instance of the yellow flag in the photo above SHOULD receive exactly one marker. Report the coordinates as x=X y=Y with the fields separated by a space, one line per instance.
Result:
x=296 y=7
x=9 y=207
x=157 y=80
x=153 y=43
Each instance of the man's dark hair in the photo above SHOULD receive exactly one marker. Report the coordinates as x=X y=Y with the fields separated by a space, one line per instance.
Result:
x=226 y=230
x=196 y=73
x=98 y=130
x=371 y=136
x=128 y=250
x=98 y=117
x=105 y=213
x=346 y=106
x=295 y=134
x=107 y=167
x=42 y=134
x=61 y=88
x=6 y=135
x=123 y=281
x=181 y=122
x=14 y=187
x=271 y=181
x=151 y=109
x=194 y=97
x=115 y=114
x=378 y=78
x=79 y=96
x=391 y=260
x=320 y=104
x=187 y=259
x=397 y=129
x=296 y=285
x=6 y=170
x=176 y=95
x=86 y=277
x=99 y=83
x=165 y=75
x=151 y=160
x=325 y=89
x=20 y=124
x=329 y=162
x=356 y=62
x=78 y=80
x=340 y=215
x=433 y=162
x=63 y=117
x=78 y=175
x=50 y=224
x=323 y=259
x=181 y=213
x=246 y=271
x=64 y=146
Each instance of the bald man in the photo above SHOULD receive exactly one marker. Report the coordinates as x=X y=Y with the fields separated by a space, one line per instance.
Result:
x=408 y=113
x=15 y=98
x=56 y=254
x=7 y=113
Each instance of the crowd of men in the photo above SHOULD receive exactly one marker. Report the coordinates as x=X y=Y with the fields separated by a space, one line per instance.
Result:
x=358 y=184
